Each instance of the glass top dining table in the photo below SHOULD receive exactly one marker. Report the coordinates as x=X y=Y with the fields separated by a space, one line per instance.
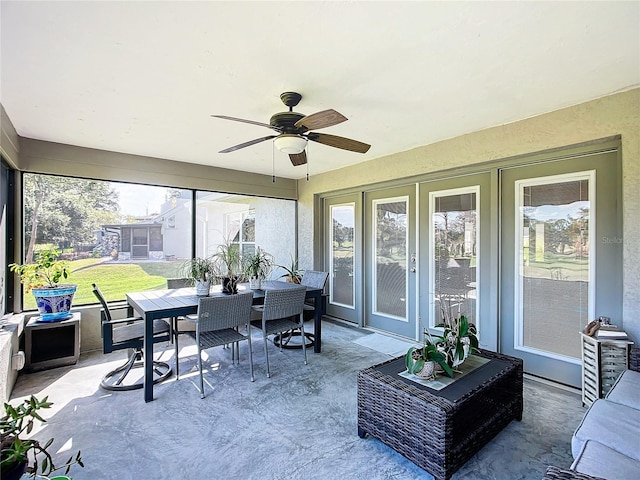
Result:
x=154 y=304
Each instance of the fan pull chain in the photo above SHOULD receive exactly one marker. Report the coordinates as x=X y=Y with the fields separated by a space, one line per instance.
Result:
x=308 y=161
x=273 y=162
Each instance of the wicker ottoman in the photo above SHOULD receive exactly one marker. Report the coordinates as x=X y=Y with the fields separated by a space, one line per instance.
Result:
x=439 y=430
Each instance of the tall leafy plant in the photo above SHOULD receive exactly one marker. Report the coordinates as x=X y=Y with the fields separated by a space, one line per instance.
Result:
x=292 y=273
x=258 y=264
x=198 y=269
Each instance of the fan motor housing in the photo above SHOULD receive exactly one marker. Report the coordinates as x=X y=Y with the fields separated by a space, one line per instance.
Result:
x=285 y=121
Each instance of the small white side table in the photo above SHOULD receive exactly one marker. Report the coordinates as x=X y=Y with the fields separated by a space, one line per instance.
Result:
x=602 y=363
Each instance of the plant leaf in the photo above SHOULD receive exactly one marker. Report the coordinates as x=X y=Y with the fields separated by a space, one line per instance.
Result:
x=445 y=366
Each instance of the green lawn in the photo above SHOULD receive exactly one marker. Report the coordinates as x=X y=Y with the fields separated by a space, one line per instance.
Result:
x=114 y=279
x=555 y=260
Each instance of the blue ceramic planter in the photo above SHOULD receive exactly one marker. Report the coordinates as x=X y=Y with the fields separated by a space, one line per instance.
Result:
x=54 y=303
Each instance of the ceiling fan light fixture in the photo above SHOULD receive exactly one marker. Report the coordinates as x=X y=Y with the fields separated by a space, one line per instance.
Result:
x=290 y=143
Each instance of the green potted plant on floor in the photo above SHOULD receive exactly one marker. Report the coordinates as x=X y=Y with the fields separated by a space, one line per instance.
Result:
x=256 y=267
x=42 y=278
x=200 y=272
x=19 y=454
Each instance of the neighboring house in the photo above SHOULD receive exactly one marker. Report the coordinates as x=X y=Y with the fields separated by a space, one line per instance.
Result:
x=137 y=241
x=161 y=237
x=221 y=218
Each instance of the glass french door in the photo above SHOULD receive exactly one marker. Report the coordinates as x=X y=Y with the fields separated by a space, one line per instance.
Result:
x=343 y=256
x=390 y=248
x=558 y=272
x=456 y=264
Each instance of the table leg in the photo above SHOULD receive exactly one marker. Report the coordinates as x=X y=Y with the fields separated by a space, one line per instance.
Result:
x=321 y=304
x=147 y=358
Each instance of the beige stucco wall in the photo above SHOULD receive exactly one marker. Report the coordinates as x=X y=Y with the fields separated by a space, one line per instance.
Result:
x=617 y=114
x=60 y=159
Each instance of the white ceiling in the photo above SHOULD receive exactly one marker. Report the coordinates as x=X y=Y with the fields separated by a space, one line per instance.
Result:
x=144 y=77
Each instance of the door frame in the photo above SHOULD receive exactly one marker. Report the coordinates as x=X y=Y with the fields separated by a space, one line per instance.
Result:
x=343 y=312
x=608 y=283
x=487 y=299
x=407 y=327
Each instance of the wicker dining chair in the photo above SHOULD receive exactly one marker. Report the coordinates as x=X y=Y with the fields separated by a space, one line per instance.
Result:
x=282 y=311
x=311 y=279
x=128 y=333
x=178 y=324
x=217 y=323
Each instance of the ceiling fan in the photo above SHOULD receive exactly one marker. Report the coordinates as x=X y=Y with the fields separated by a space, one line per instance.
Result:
x=294 y=131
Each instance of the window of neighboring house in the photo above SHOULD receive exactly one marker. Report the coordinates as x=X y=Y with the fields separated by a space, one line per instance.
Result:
x=155 y=239
x=241 y=230
x=122 y=244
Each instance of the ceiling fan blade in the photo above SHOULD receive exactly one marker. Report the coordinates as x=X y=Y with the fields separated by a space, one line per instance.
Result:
x=224 y=117
x=339 y=142
x=324 y=119
x=247 y=144
x=298 y=158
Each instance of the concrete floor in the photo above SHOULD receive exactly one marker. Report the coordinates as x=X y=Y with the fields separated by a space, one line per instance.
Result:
x=299 y=424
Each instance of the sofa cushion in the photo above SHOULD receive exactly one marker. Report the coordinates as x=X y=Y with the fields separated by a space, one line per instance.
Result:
x=599 y=460
x=611 y=424
x=626 y=390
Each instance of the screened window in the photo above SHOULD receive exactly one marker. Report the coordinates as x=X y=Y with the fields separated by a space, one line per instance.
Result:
x=128 y=237
x=248 y=222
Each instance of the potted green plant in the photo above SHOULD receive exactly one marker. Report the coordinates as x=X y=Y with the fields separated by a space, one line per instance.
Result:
x=200 y=272
x=292 y=273
x=256 y=267
x=443 y=353
x=20 y=454
x=42 y=278
x=422 y=361
x=459 y=339
x=228 y=266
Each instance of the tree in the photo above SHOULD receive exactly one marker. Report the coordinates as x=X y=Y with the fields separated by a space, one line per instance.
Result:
x=341 y=233
x=557 y=235
x=391 y=231
x=66 y=211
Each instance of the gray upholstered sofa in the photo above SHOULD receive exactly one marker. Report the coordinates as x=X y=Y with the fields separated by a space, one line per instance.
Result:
x=606 y=444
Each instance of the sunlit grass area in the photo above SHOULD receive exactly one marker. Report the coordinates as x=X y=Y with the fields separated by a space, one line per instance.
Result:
x=114 y=279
